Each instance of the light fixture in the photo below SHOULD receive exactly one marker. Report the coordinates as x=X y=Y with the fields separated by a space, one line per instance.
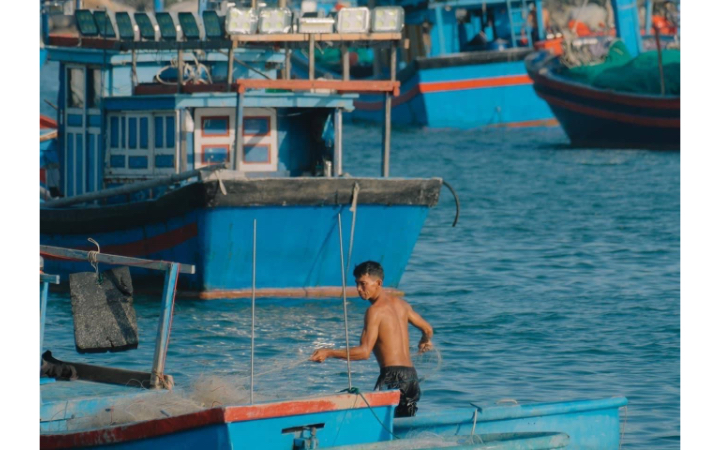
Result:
x=168 y=29
x=86 y=23
x=388 y=19
x=214 y=27
x=353 y=20
x=241 y=21
x=125 y=27
x=146 y=26
x=104 y=24
x=310 y=23
x=274 y=20
x=189 y=26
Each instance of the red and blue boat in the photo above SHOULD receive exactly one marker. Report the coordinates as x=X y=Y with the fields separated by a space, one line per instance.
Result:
x=174 y=135
x=630 y=99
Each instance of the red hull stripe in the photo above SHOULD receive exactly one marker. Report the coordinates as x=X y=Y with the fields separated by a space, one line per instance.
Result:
x=611 y=115
x=446 y=86
x=46 y=122
x=595 y=94
x=459 y=85
x=220 y=415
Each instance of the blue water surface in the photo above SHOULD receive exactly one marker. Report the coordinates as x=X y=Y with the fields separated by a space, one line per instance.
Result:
x=560 y=282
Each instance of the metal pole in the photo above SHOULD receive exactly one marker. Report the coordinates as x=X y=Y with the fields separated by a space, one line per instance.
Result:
x=133 y=74
x=163 y=333
x=338 y=156
x=238 y=130
x=311 y=56
x=344 y=293
x=345 y=62
x=387 y=128
x=252 y=333
x=286 y=72
x=231 y=60
x=181 y=69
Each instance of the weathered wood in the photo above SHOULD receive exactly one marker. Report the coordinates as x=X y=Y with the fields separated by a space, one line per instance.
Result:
x=110 y=375
x=338 y=85
x=48 y=136
x=311 y=58
x=345 y=62
x=83 y=255
x=301 y=191
x=129 y=188
x=310 y=292
x=163 y=333
x=231 y=60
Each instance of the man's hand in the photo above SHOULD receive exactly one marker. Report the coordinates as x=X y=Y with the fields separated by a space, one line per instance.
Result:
x=424 y=346
x=320 y=355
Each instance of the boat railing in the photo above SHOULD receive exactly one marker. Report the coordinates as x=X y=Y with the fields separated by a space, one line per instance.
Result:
x=156 y=378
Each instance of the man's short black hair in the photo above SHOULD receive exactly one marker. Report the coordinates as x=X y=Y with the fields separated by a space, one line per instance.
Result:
x=372 y=268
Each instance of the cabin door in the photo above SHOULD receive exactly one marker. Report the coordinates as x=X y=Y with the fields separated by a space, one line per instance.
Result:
x=214 y=139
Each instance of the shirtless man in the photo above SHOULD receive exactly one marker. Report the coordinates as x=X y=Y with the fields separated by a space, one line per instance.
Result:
x=386 y=334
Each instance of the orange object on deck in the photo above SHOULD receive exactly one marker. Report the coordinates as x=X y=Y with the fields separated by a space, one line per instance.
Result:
x=554 y=46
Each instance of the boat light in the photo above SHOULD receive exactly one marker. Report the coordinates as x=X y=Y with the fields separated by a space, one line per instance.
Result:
x=125 y=27
x=146 y=26
x=86 y=23
x=168 y=29
x=105 y=24
x=189 y=26
x=353 y=20
x=214 y=27
x=388 y=19
x=313 y=22
x=274 y=21
x=241 y=21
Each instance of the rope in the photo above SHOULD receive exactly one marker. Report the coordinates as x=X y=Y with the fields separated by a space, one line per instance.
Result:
x=92 y=259
x=356 y=391
x=252 y=335
x=457 y=202
x=622 y=434
x=342 y=271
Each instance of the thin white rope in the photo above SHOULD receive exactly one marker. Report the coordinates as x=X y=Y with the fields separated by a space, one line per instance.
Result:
x=252 y=334
x=92 y=258
x=344 y=293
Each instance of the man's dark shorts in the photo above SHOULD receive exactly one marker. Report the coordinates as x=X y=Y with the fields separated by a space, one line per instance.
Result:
x=405 y=379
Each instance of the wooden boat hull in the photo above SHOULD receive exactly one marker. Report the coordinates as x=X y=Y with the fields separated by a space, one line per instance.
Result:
x=466 y=90
x=297 y=232
x=591 y=424
x=597 y=118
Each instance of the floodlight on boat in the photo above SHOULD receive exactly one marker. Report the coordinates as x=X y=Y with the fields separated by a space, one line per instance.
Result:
x=189 y=26
x=125 y=27
x=146 y=26
x=388 y=19
x=168 y=29
x=214 y=26
x=274 y=21
x=312 y=24
x=241 y=21
x=86 y=23
x=104 y=24
x=353 y=20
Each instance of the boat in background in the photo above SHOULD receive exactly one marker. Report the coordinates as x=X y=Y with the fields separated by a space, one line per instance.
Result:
x=624 y=98
x=171 y=144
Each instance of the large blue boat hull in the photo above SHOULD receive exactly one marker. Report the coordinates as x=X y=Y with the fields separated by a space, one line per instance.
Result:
x=466 y=90
x=298 y=245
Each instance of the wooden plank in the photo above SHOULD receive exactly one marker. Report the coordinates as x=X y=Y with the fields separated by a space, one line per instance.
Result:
x=82 y=255
x=339 y=85
x=163 y=333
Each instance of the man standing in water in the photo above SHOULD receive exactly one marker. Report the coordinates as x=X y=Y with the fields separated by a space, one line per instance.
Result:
x=386 y=334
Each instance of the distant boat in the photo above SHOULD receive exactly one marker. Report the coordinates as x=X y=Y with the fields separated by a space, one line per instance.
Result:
x=622 y=97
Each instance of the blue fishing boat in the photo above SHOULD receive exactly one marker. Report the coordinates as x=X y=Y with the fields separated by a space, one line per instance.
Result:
x=177 y=130
x=635 y=94
x=351 y=420
x=463 y=67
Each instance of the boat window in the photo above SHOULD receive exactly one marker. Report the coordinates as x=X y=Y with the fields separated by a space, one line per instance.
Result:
x=76 y=87
x=141 y=144
x=94 y=88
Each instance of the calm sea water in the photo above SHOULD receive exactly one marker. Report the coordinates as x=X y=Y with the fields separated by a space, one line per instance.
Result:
x=561 y=281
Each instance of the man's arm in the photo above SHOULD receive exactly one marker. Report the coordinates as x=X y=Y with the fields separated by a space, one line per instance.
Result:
x=427 y=331
x=362 y=351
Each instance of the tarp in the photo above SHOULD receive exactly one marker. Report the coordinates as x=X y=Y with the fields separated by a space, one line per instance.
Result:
x=620 y=72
